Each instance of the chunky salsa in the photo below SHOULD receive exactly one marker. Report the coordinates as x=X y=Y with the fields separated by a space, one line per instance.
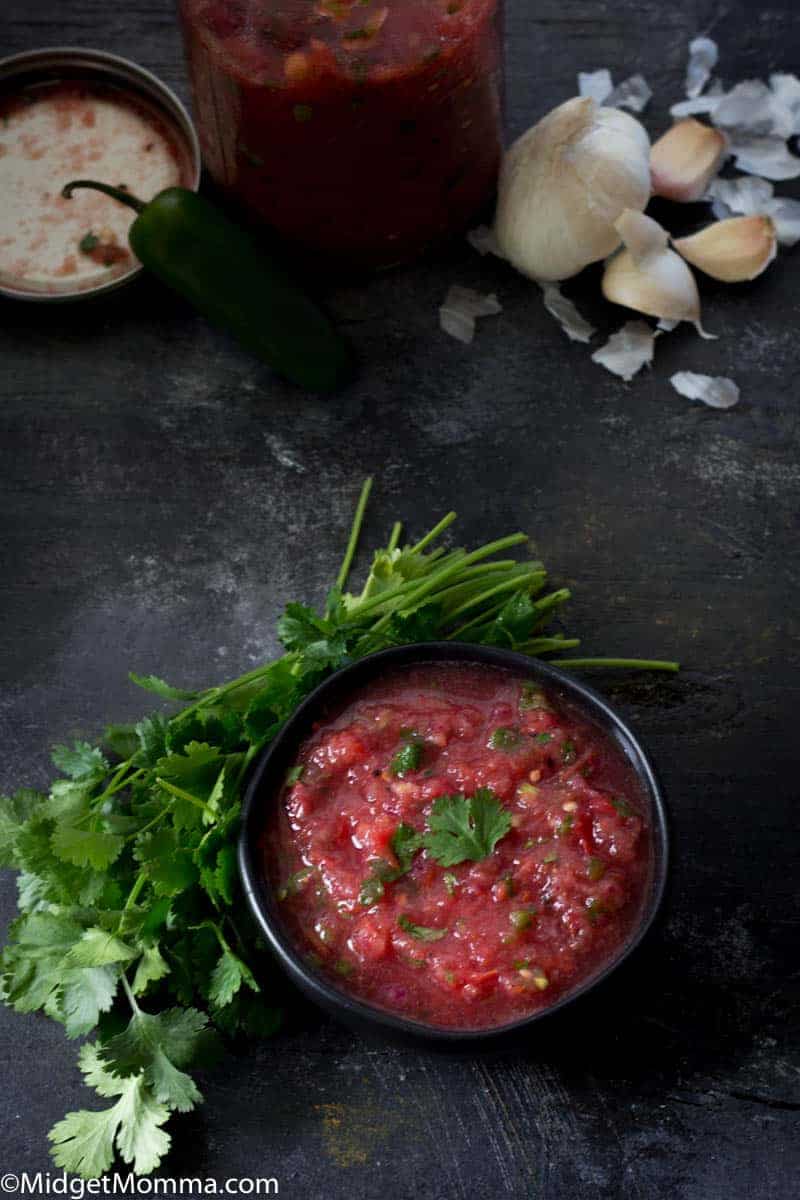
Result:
x=362 y=131
x=458 y=846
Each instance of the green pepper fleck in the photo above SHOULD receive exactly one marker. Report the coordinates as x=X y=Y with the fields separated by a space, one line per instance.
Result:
x=408 y=757
x=622 y=806
x=295 y=883
x=564 y=826
x=542 y=739
x=505 y=738
x=371 y=891
x=568 y=752
x=595 y=869
x=522 y=918
x=532 y=697
x=88 y=243
x=295 y=774
x=450 y=881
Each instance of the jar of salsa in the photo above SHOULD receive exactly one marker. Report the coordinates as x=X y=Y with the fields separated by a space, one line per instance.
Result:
x=362 y=131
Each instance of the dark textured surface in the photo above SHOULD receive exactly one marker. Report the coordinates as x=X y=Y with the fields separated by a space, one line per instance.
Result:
x=163 y=496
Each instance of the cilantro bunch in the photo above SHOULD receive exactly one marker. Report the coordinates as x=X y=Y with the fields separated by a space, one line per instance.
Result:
x=132 y=927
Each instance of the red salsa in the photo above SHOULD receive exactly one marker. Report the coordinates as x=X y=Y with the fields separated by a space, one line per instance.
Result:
x=459 y=847
x=362 y=131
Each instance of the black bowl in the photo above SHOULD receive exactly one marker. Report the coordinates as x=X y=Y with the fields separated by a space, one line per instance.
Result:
x=267 y=781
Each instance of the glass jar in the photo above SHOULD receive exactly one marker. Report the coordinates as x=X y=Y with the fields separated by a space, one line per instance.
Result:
x=362 y=131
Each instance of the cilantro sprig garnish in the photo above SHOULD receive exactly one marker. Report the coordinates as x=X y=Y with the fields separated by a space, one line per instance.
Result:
x=132 y=927
x=458 y=829
x=461 y=827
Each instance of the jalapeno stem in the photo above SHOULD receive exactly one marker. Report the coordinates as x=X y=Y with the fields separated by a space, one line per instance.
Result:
x=116 y=193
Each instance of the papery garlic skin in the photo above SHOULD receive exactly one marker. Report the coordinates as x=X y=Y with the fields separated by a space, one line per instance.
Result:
x=649 y=277
x=686 y=159
x=733 y=251
x=564 y=183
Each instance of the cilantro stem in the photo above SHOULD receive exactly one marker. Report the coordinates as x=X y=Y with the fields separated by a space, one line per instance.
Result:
x=133 y=896
x=355 y=533
x=131 y=998
x=439 y=528
x=394 y=537
x=182 y=795
x=548 y=645
x=507 y=585
x=149 y=825
x=613 y=664
x=118 y=782
x=446 y=573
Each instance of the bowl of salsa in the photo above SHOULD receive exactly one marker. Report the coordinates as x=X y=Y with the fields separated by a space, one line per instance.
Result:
x=449 y=842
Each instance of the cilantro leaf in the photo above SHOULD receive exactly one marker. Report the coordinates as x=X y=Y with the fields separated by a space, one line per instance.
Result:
x=421 y=932
x=86 y=992
x=228 y=976
x=152 y=683
x=14 y=812
x=152 y=734
x=150 y=968
x=97 y=948
x=79 y=760
x=83 y=1142
x=121 y=740
x=86 y=847
x=299 y=627
x=166 y=860
x=461 y=828
x=159 y=1045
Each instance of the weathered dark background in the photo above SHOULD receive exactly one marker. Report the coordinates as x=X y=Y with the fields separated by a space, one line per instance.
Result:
x=164 y=496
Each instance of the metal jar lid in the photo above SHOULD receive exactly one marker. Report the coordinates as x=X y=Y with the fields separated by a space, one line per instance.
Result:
x=35 y=73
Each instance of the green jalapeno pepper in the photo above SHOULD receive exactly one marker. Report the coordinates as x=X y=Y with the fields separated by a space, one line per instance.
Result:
x=218 y=268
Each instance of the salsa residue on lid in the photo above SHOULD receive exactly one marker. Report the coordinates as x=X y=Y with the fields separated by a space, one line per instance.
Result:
x=459 y=847
x=53 y=132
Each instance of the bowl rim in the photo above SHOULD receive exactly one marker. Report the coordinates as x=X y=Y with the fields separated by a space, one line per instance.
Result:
x=263 y=904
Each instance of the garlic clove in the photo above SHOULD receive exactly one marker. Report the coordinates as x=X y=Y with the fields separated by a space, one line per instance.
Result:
x=661 y=285
x=733 y=251
x=649 y=277
x=641 y=234
x=564 y=183
x=685 y=160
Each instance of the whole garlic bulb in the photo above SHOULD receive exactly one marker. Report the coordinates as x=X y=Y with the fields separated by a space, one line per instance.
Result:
x=565 y=182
